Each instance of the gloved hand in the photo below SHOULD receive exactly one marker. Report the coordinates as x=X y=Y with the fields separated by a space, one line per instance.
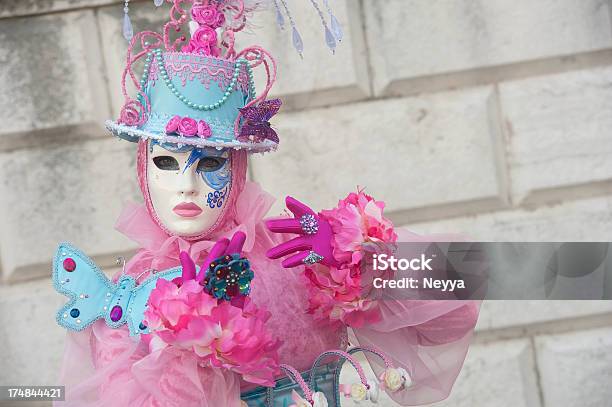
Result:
x=229 y=279
x=313 y=245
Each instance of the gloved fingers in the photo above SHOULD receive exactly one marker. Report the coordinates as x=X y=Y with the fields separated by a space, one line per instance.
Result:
x=297 y=208
x=235 y=245
x=296 y=244
x=286 y=225
x=189 y=269
x=217 y=251
x=295 y=260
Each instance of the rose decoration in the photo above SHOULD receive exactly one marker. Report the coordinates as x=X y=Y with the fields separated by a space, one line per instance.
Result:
x=208 y=16
x=172 y=125
x=204 y=41
x=392 y=379
x=358 y=391
x=187 y=319
x=204 y=129
x=188 y=127
x=130 y=114
x=395 y=379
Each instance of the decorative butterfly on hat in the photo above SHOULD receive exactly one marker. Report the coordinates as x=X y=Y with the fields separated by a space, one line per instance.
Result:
x=257 y=126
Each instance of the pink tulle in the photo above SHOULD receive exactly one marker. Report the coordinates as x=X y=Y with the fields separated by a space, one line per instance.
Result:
x=104 y=367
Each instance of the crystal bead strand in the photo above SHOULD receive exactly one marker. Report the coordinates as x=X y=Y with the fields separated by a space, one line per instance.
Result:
x=280 y=20
x=329 y=37
x=128 y=31
x=333 y=22
x=296 y=38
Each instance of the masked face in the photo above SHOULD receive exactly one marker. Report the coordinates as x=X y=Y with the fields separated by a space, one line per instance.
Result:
x=188 y=186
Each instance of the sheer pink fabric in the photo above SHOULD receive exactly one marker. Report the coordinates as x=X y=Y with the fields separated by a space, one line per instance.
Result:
x=429 y=339
x=104 y=366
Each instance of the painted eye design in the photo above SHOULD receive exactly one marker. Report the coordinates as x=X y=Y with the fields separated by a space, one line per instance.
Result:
x=210 y=164
x=166 y=163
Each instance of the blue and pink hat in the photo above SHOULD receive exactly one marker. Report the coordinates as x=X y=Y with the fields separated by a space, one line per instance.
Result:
x=198 y=91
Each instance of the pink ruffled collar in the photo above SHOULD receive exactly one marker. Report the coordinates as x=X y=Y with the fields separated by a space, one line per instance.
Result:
x=159 y=250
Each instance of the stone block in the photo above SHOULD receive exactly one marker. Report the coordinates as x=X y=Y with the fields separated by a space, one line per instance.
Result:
x=52 y=76
x=558 y=131
x=61 y=193
x=576 y=368
x=413 y=153
x=410 y=39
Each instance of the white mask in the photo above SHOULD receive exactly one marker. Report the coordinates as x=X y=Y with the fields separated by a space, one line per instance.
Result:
x=188 y=187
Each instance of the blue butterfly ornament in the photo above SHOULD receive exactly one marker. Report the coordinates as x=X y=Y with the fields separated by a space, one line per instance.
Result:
x=93 y=296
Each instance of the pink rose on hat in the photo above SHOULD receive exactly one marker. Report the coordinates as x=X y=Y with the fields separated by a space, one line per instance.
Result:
x=207 y=15
x=204 y=40
x=204 y=130
x=188 y=127
x=172 y=125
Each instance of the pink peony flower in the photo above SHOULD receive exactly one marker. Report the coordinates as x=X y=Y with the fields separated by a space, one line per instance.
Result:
x=173 y=124
x=207 y=15
x=358 y=219
x=187 y=127
x=337 y=293
x=204 y=129
x=219 y=334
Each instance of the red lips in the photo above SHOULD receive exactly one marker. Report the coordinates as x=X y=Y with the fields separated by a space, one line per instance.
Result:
x=187 y=210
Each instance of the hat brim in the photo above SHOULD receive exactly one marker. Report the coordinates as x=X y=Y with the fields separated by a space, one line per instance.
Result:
x=133 y=134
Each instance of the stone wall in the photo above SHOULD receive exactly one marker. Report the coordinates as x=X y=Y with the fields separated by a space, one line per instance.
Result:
x=491 y=118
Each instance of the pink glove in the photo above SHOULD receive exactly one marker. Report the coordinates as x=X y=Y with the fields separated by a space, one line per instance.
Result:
x=221 y=248
x=314 y=243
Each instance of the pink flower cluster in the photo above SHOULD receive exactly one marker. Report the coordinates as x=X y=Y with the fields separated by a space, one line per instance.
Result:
x=336 y=293
x=188 y=127
x=219 y=334
x=204 y=39
x=208 y=15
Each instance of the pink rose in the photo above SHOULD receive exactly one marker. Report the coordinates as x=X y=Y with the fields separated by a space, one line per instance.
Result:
x=187 y=127
x=173 y=124
x=207 y=15
x=220 y=19
x=204 y=36
x=130 y=114
x=204 y=130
